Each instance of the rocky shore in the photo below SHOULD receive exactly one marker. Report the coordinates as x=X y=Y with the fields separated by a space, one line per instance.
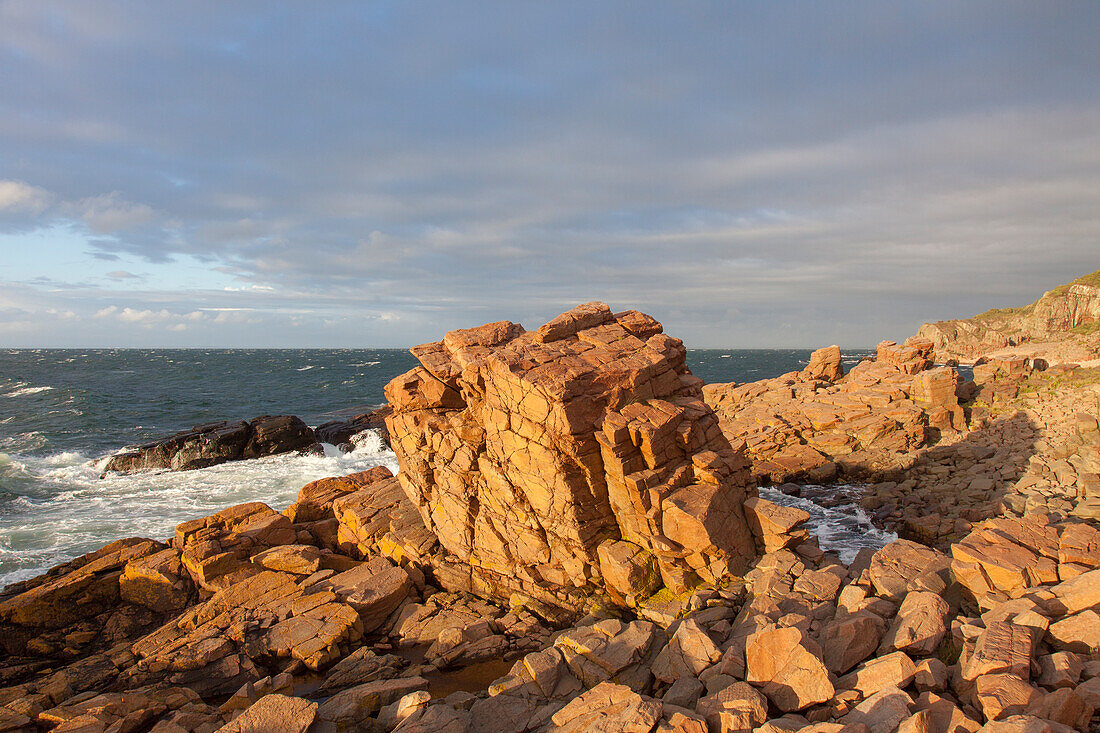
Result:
x=574 y=543
x=1061 y=326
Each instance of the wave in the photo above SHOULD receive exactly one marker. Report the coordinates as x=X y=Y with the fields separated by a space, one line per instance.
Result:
x=843 y=528
x=66 y=509
x=304 y=369
x=23 y=391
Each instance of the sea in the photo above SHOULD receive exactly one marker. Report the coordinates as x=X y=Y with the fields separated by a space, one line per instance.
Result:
x=64 y=412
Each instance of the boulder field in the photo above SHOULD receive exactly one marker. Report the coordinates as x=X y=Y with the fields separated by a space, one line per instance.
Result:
x=573 y=543
x=936 y=452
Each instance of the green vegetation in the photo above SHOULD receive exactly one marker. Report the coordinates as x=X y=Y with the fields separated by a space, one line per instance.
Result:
x=1086 y=329
x=1092 y=280
x=996 y=314
x=1002 y=314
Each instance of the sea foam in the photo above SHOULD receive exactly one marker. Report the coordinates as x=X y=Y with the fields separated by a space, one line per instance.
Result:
x=82 y=512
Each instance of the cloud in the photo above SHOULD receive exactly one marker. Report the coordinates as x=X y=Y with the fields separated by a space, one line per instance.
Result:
x=21 y=197
x=848 y=172
x=110 y=213
x=122 y=275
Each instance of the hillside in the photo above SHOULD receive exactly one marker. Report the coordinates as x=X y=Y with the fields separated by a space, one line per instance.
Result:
x=1061 y=326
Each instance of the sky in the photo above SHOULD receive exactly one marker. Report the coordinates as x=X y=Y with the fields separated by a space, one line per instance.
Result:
x=373 y=174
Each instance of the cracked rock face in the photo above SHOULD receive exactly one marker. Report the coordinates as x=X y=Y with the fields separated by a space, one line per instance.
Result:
x=525 y=450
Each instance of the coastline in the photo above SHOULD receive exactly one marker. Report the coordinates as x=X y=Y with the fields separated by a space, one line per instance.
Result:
x=692 y=613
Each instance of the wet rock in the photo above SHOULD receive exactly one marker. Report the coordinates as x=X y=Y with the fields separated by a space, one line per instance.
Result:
x=340 y=432
x=214 y=443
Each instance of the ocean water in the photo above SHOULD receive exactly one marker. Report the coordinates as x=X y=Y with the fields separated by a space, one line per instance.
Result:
x=839 y=523
x=62 y=412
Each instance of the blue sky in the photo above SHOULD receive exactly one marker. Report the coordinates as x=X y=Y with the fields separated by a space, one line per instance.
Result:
x=374 y=174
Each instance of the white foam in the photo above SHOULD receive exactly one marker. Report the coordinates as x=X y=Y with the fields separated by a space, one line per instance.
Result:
x=84 y=512
x=304 y=369
x=844 y=529
x=24 y=391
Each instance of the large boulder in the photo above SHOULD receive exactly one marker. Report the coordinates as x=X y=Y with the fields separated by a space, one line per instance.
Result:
x=523 y=451
x=786 y=665
x=218 y=442
x=824 y=365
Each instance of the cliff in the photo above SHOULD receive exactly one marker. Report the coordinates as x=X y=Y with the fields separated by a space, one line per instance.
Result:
x=1061 y=326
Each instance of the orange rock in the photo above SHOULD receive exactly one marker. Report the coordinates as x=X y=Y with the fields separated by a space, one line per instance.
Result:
x=274 y=712
x=787 y=666
x=524 y=451
x=824 y=365
x=892 y=670
x=1001 y=695
x=158 y=582
x=608 y=707
x=777 y=526
x=86 y=591
x=315 y=498
x=1002 y=647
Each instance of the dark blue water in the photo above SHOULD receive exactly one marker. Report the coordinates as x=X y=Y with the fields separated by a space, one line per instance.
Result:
x=62 y=411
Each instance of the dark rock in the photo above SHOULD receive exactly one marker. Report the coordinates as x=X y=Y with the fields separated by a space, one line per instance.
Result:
x=219 y=442
x=338 y=432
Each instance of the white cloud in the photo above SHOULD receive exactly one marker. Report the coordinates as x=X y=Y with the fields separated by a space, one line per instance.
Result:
x=20 y=197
